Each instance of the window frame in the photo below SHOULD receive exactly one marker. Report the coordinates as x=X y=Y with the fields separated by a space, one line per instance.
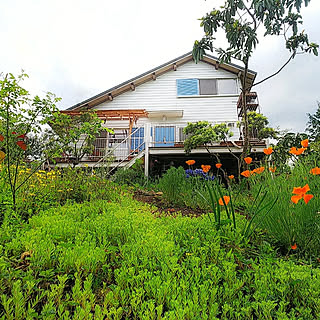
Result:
x=199 y=95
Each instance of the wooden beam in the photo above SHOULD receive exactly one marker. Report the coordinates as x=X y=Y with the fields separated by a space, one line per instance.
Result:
x=216 y=65
x=125 y=114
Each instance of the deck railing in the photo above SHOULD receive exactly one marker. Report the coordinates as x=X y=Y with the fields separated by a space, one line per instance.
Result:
x=120 y=147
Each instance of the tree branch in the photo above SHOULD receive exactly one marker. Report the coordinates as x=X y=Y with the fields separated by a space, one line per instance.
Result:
x=252 y=17
x=274 y=74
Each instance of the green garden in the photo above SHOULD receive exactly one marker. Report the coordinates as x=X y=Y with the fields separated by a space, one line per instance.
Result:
x=77 y=244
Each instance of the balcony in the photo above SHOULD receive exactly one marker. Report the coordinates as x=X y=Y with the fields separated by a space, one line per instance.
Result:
x=252 y=103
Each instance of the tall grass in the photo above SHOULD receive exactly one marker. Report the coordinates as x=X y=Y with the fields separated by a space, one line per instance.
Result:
x=290 y=223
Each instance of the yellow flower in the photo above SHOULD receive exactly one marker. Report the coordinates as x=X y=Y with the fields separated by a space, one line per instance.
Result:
x=2 y=156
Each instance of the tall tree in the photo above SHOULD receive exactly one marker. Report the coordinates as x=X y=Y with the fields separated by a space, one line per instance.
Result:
x=313 y=124
x=74 y=136
x=240 y=20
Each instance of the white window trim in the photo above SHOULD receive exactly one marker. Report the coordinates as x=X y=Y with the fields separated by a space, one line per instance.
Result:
x=211 y=95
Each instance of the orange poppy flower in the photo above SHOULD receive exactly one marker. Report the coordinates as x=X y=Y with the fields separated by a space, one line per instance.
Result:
x=301 y=193
x=259 y=170
x=231 y=177
x=294 y=246
x=205 y=168
x=304 y=143
x=296 y=151
x=315 y=171
x=246 y=173
x=190 y=162
x=218 y=165
x=247 y=160
x=226 y=200
x=272 y=169
x=1 y=137
x=268 y=151
x=300 y=151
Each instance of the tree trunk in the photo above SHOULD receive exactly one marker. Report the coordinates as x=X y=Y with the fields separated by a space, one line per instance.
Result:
x=246 y=146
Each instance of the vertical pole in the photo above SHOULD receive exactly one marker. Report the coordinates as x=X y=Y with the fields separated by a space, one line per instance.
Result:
x=129 y=133
x=147 y=135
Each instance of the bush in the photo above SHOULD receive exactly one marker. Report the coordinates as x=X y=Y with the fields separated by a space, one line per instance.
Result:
x=131 y=176
x=46 y=189
x=174 y=186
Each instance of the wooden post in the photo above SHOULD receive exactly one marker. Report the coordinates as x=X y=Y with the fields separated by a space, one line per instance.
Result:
x=147 y=135
x=130 y=131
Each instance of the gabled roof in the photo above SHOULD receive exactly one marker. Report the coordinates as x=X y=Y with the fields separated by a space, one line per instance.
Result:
x=153 y=74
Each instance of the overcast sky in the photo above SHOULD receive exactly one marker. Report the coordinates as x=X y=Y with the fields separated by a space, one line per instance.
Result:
x=78 y=48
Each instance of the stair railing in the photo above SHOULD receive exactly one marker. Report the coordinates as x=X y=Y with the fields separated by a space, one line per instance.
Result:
x=118 y=146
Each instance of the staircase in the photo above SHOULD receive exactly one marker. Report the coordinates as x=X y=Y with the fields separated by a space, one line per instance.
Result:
x=124 y=153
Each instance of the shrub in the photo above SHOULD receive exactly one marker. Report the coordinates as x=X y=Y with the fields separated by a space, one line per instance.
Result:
x=131 y=176
x=173 y=184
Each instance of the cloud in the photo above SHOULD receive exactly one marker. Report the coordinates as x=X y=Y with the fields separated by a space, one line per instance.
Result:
x=79 y=48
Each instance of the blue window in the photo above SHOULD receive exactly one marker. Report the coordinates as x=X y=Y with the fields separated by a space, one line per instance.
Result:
x=187 y=87
x=137 y=139
x=164 y=136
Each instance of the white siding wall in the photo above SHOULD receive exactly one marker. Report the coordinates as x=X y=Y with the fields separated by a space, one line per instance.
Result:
x=161 y=94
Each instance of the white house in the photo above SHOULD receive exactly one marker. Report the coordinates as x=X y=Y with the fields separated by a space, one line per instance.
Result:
x=148 y=113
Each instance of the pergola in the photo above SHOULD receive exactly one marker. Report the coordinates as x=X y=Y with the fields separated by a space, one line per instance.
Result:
x=132 y=115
